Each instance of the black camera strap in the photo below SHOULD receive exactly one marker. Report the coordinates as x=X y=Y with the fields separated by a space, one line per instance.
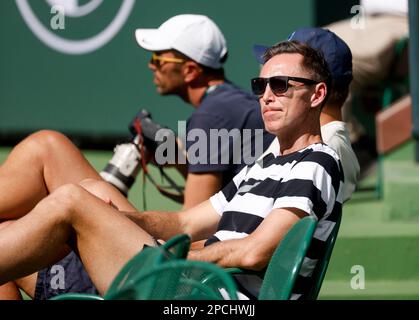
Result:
x=177 y=196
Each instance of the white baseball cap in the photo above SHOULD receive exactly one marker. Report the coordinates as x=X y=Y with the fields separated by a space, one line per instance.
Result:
x=196 y=36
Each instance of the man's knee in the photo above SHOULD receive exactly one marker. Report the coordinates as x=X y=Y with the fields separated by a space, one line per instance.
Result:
x=64 y=200
x=40 y=145
x=47 y=139
x=68 y=194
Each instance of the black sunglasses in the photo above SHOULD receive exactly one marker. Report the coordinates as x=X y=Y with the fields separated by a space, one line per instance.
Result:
x=278 y=84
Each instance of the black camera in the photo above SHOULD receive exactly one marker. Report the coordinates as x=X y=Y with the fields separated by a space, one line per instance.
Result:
x=125 y=164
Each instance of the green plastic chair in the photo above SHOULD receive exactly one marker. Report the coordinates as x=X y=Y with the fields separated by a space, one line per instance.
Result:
x=123 y=285
x=321 y=266
x=185 y=280
x=282 y=271
x=285 y=264
x=178 y=246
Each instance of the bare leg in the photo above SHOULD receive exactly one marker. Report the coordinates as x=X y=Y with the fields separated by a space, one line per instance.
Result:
x=101 y=189
x=10 y=291
x=108 y=193
x=37 y=166
x=104 y=238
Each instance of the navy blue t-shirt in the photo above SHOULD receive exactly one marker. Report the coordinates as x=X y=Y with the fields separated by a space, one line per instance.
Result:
x=224 y=132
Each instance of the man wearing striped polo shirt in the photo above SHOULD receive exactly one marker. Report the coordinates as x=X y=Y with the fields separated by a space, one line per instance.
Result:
x=243 y=223
x=265 y=199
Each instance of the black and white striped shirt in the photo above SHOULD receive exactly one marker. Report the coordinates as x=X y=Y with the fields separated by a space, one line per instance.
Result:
x=310 y=179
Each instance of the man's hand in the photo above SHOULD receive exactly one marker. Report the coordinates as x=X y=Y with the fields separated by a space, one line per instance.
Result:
x=254 y=251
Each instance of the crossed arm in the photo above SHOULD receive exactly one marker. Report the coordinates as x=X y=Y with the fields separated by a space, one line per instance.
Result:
x=254 y=251
x=200 y=222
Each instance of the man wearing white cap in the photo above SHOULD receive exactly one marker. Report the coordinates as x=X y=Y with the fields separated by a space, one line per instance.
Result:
x=188 y=53
x=243 y=223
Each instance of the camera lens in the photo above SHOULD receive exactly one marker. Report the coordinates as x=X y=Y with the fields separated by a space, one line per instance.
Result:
x=123 y=168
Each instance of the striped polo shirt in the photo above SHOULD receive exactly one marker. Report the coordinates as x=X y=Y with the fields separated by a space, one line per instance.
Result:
x=310 y=179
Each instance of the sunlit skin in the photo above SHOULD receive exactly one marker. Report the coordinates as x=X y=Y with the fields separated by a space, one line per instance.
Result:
x=188 y=80
x=285 y=114
x=64 y=208
x=168 y=76
x=185 y=79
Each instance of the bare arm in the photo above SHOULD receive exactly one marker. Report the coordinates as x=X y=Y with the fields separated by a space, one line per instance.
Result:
x=180 y=164
x=254 y=251
x=200 y=187
x=198 y=222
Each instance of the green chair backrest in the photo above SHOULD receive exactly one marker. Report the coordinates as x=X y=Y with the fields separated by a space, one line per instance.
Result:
x=124 y=280
x=178 y=246
x=286 y=261
x=184 y=280
x=321 y=266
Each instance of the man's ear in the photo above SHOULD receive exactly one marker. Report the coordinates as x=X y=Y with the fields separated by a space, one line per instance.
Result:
x=191 y=71
x=319 y=95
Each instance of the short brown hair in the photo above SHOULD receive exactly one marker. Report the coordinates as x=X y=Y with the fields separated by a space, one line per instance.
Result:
x=338 y=95
x=313 y=60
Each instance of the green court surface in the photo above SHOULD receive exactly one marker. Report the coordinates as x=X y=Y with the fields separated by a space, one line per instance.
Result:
x=378 y=242
x=376 y=255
